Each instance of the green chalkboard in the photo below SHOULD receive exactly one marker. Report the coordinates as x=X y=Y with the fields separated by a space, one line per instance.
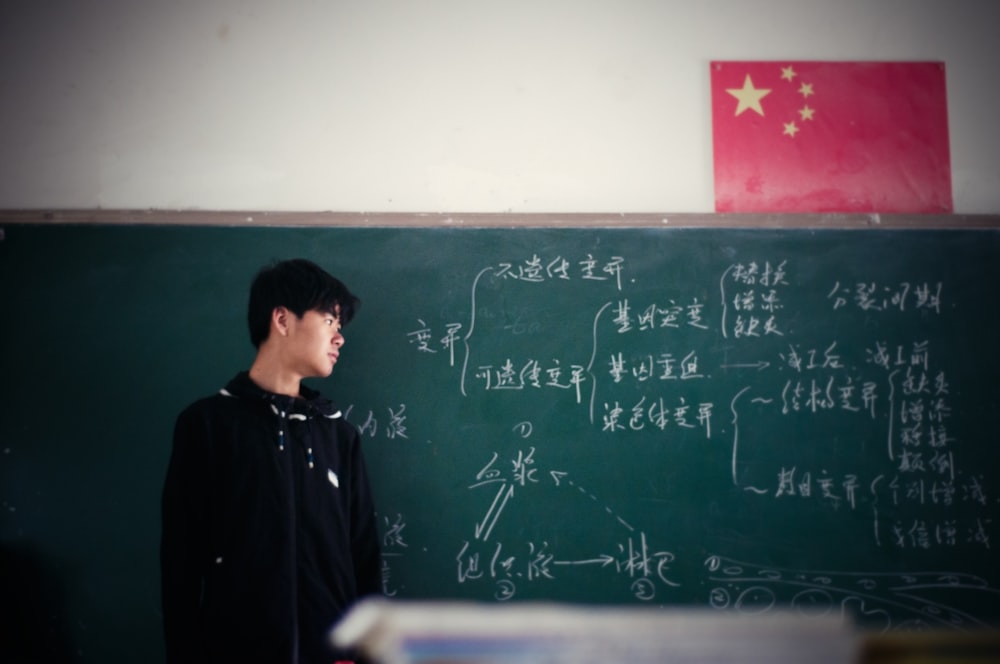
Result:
x=732 y=418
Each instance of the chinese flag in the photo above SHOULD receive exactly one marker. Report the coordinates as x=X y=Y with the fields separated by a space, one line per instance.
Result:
x=830 y=137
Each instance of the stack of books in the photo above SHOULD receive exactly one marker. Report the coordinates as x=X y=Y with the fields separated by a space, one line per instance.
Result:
x=392 y=632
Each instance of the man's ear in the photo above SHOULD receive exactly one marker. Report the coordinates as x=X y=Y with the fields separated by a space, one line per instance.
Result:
x=279 y=320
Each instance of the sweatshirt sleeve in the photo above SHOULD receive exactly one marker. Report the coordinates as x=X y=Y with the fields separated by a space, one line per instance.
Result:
x=365 y=549
x=185 y=508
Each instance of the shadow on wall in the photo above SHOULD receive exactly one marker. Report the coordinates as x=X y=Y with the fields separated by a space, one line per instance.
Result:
x=34 y=626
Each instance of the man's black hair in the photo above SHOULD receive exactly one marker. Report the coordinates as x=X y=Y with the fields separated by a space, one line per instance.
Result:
x=298 y=285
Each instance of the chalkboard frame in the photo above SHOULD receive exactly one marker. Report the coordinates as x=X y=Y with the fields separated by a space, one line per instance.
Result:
x=498 y=219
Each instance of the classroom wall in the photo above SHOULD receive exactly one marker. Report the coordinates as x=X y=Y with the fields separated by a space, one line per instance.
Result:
x=435 y=106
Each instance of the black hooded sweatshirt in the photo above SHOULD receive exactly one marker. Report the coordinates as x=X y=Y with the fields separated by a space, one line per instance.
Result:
x=269 y=530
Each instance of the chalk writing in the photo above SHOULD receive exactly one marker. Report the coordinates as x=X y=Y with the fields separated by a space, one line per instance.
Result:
x=885 y=601
x=646 y=569
x=533 y=374
x=751 y=297
x=392 y=425
x=873 y=297
x=663 y=366
x=627 y=318
x=658 y=414
x=394 y=547
x=859 y=427
x=538 y=270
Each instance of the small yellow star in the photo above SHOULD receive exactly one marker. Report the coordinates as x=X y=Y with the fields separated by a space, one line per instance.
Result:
x=788 y=73
x=749 y=96
x=790 y=129
x=806 y=89
x=806 y=113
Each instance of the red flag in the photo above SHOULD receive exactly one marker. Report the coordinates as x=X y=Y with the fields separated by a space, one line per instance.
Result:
x=830 y=137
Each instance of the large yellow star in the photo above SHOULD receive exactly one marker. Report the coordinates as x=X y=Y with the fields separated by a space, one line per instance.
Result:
x=749 y=96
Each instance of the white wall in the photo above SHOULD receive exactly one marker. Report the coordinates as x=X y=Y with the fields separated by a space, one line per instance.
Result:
x=433 y=105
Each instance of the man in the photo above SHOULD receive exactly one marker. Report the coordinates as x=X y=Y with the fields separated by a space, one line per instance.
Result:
x=269 y=528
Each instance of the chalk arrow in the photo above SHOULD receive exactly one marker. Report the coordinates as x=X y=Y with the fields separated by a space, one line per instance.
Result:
x=759 y=366
x=603 y=561
x=503 y=495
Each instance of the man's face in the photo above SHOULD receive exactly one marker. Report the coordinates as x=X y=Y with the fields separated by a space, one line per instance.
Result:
x=314 y=343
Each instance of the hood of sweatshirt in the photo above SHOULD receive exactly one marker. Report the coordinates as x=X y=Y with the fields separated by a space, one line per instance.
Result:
x=311 y=404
